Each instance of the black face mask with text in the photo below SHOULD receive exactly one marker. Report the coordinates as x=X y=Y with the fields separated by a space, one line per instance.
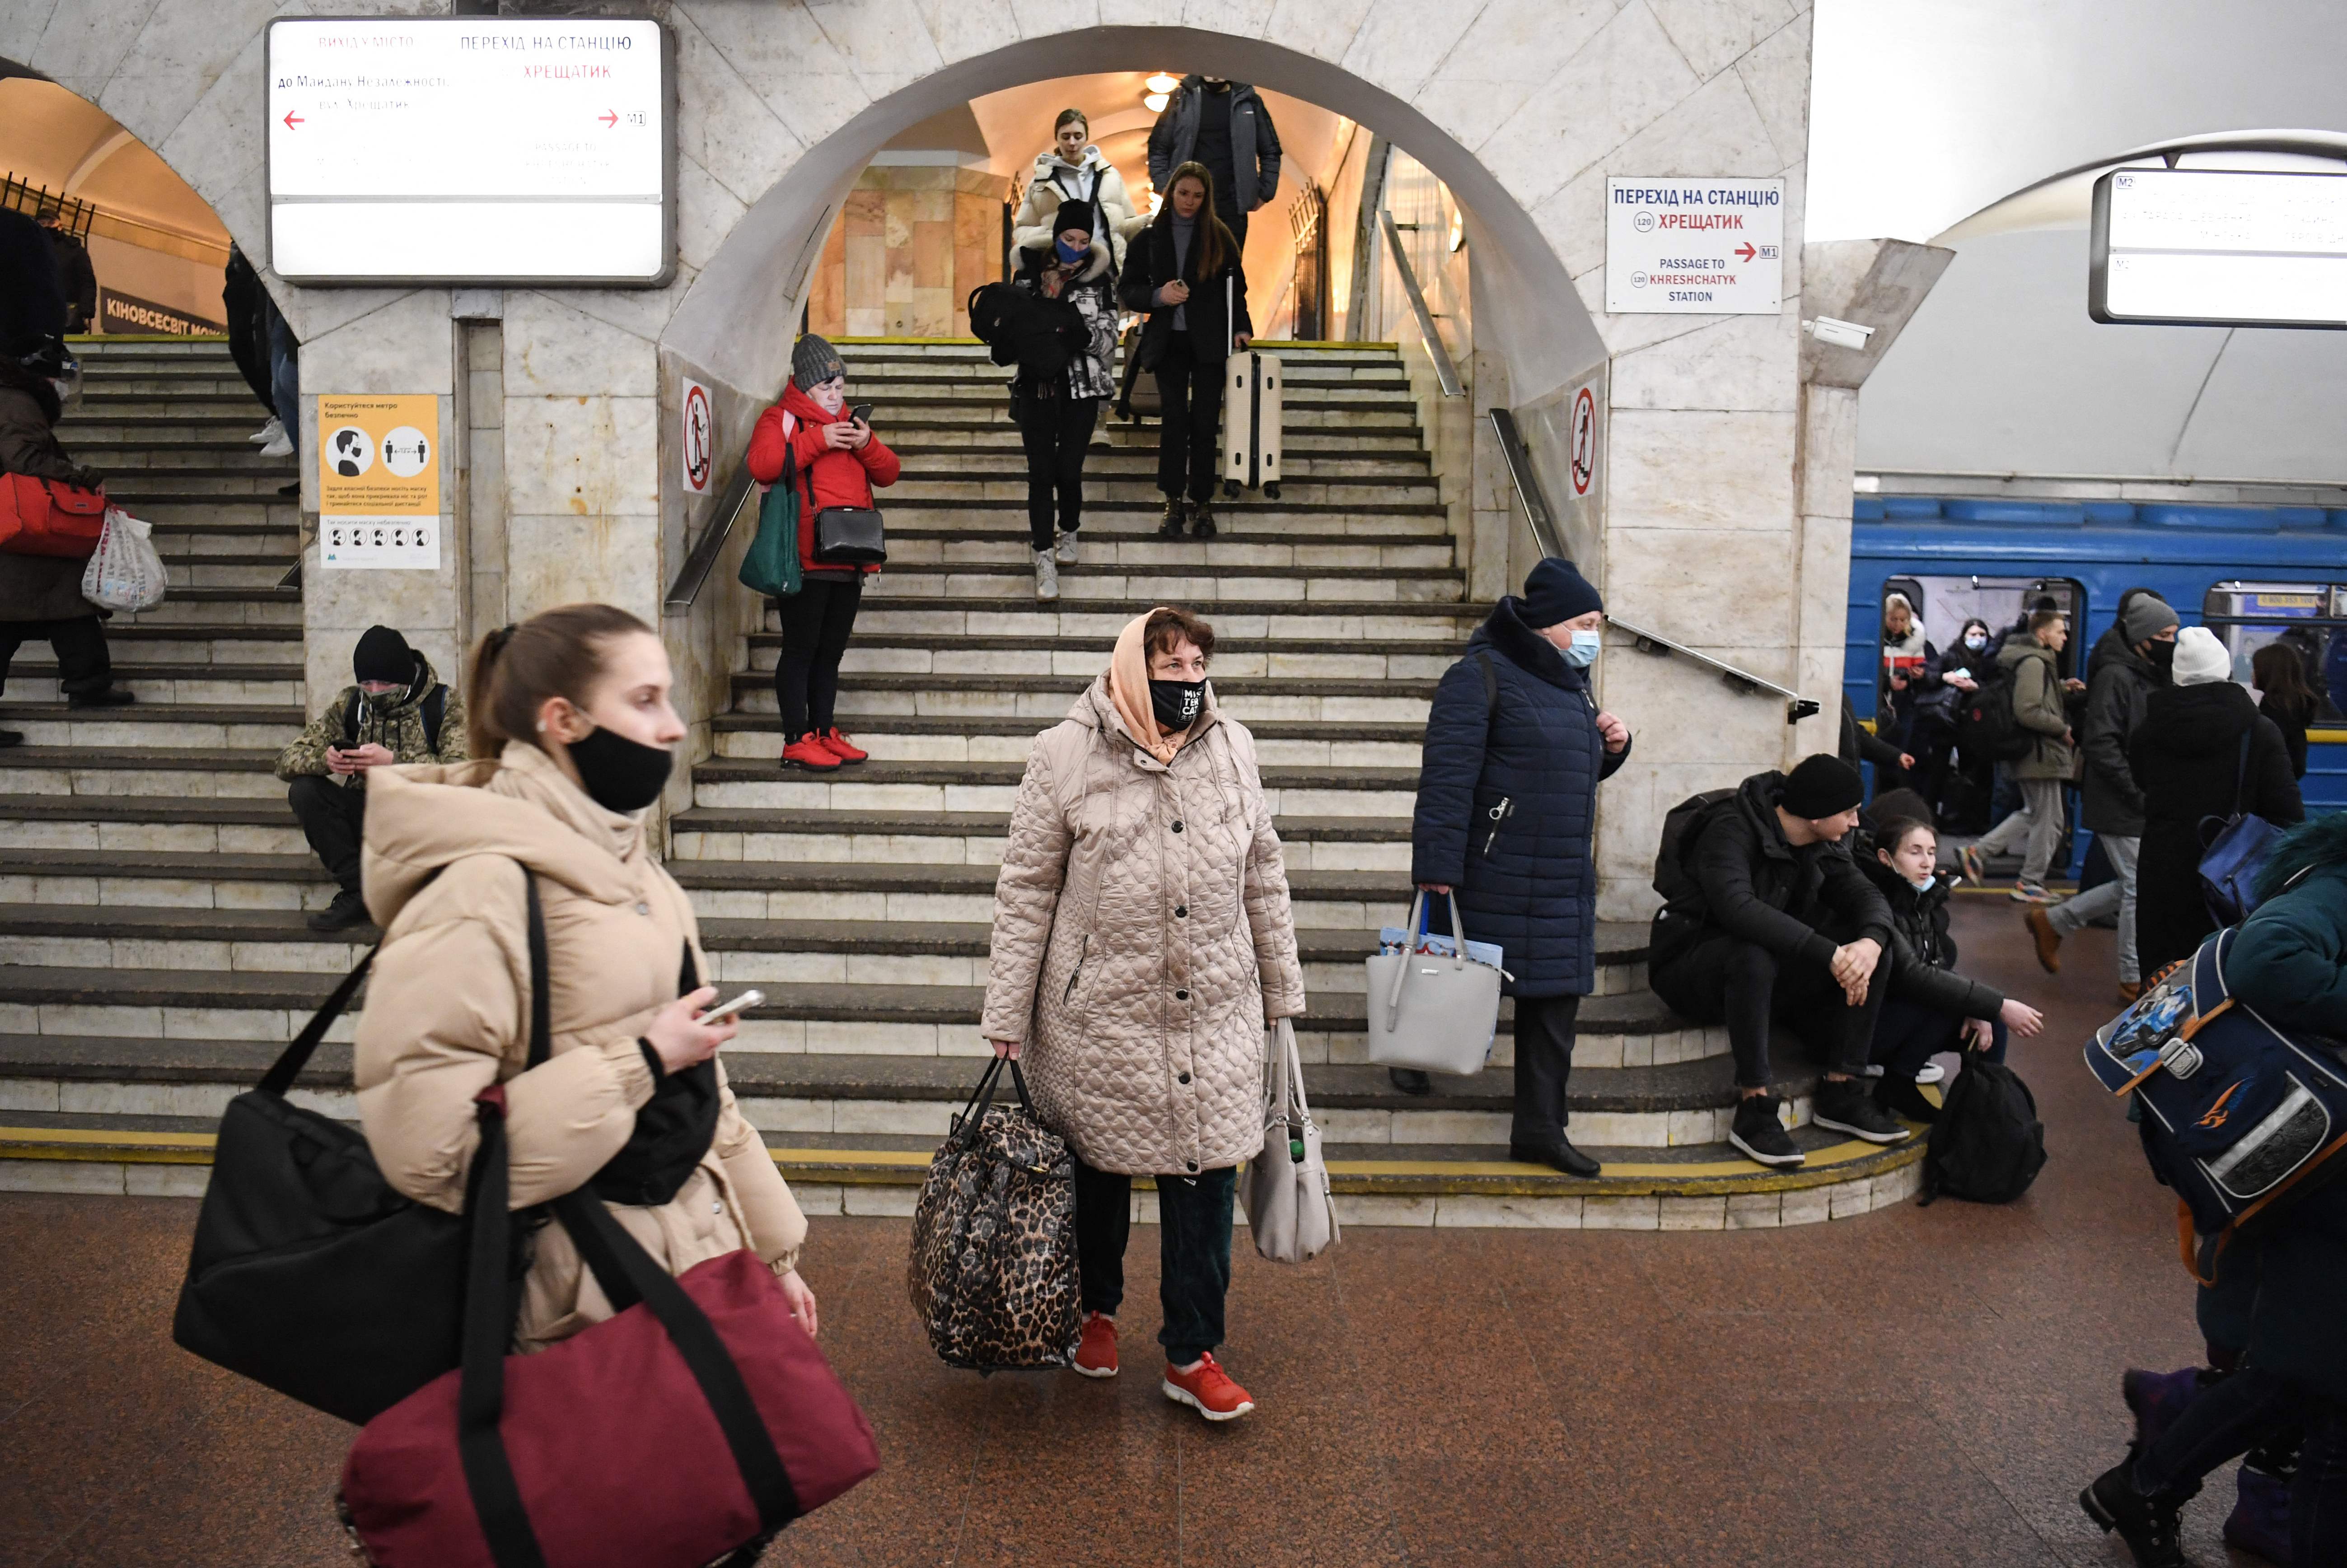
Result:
x=1176 y=703
x=617 y=774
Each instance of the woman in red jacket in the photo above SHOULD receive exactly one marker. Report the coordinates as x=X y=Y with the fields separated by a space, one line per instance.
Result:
x=837 y=461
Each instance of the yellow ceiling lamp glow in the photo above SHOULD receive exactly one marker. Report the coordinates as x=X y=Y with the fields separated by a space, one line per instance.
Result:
x=1154 y=102
x=1160 y=84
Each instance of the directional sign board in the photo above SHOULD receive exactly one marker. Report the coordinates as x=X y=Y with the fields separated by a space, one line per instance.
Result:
x=470 y=149
x=1694 y=247
x=2211 y=247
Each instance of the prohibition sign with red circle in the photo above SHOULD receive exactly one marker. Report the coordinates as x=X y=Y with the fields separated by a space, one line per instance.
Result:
x=1585 y=442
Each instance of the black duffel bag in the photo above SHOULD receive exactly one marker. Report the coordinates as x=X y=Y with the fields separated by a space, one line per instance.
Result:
x=310 y=1273
x=849 y=535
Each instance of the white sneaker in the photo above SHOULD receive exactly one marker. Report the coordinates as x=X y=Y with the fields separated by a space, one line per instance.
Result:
x=270 y=432
x=1047 y=576
x=281 y=446
x=1930 y=1072
x=1067 y=549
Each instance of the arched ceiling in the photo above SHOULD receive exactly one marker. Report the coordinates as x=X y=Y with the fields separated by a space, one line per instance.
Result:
x=51 y=137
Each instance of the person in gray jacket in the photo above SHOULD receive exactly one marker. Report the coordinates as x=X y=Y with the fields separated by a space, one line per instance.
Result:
x=2130 y=663
x=1224 y=125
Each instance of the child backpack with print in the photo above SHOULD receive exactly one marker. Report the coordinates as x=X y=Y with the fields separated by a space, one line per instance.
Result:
x=2238 y=1116
x=1988 y=1144
x=1986 y=725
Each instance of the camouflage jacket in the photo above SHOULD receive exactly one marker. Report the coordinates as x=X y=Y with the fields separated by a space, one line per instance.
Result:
x=395 y=722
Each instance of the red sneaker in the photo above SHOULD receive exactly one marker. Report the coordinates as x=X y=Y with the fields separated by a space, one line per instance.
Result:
x=1208 y=1390
x=836 y=743
x=807 y=752
x=1096 y=1351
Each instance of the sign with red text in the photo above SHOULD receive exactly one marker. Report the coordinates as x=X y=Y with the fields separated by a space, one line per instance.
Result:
x=1694 y=247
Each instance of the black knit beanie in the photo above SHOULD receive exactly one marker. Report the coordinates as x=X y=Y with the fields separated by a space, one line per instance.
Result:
x=1821 y=786
x=1556 y=591
x=1075 y=212
x=383 y=654
x=814 y=361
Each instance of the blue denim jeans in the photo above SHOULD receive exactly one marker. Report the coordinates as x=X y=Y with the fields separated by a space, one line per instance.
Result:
x=1194 y=1251
x=286 y=377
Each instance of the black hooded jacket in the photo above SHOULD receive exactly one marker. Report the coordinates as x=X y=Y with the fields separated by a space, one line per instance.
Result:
x=1923 y=954
x=1760 y=889
x=2120 y=683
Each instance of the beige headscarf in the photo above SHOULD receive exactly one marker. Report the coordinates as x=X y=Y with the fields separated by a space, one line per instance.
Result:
x=1128 y=688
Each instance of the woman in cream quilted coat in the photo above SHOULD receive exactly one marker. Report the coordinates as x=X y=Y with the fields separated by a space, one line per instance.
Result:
x=1142 y=942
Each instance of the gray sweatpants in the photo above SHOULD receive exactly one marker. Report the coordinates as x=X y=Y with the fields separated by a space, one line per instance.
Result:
x=2118 y=894
x=2040 y=817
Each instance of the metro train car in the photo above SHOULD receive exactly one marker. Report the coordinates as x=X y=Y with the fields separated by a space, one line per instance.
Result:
x=2253 y=575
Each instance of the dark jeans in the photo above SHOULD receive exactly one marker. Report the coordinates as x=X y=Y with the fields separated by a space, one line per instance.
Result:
x=1545 y=1027
x=1056 y=432
x=1194 y=1251
x=333 y=817
x=80 y=643
x=1721 y=979
x=816 y=622
x=1908 y=1035
x=1191 y=390
x=2249 y=1409
x=286 y=377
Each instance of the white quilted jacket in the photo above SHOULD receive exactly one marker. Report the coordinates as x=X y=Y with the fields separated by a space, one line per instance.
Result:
x=1141 y=937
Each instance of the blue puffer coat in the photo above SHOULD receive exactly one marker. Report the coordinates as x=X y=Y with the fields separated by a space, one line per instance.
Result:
x=1530 y=886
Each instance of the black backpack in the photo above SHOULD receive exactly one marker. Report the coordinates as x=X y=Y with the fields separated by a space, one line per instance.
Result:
x=1988 y=1144
x=1986 y=725
x=1673 y=879
x=1037 y=335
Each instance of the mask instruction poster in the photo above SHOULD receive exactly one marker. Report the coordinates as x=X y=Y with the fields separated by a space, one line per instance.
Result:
x=379 y=480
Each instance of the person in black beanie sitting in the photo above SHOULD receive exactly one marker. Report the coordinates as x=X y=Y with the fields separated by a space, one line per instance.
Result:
x=1765 y=915
x=399 y=711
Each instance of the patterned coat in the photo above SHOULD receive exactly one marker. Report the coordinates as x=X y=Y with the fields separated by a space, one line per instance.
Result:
x=1141 y=937
x=395 y=724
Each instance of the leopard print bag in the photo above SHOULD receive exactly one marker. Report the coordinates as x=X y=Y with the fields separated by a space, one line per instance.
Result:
x=993 y=1266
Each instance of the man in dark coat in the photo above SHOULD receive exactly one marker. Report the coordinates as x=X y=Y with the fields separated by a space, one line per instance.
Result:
x=1767 y=917
x=1507 y=805
x=76 y=280
x=1224 y=125
x=32 y=304
x=2189 y=760
x=2130 y=662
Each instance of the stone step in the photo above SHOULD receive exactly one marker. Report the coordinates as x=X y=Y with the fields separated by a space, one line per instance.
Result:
x=1086 y=654
x=154 y=462
x=205 y=515
x=1001 y=546
x=870 y=697
x=754 y=736
x=1392 y=418
x=192 y=542
x=197 y=644
x=136 y=489
x=1115 y=457
x=990 y=786
x=1080 y=612
x=1301 y=394
x=1249 y=587
x=174 y=729
x=182 y=571
x=1379 y=437
x=190 y=774
x=194 y=683
x=1141 y=490
x=207 y=606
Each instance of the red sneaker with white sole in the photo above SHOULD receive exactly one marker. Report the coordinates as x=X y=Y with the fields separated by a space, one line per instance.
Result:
x=1208 y=1390
x=807 y=752
x=1096 y=1351
x=836 y=744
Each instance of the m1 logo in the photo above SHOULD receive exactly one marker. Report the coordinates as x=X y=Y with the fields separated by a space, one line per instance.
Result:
x=1585 y=440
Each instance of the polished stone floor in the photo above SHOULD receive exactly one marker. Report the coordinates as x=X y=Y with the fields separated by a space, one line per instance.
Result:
x=1919 y=1387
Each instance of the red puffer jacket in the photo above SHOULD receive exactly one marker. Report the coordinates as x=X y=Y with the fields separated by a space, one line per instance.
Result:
x=826 y=477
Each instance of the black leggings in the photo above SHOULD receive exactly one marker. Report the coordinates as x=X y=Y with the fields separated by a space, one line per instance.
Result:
x=1056 y=432
x=1190 y=435
x=816 y=623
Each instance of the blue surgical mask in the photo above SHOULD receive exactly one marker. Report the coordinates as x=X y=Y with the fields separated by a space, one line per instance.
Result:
x=1069 y=254
x=1583 y=653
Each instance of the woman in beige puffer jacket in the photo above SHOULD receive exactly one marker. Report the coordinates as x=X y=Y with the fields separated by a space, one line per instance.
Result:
x=1142 y=941
x=448 y=1000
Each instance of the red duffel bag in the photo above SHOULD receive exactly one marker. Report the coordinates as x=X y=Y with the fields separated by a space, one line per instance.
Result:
x=689 y=1429
x=49 y=517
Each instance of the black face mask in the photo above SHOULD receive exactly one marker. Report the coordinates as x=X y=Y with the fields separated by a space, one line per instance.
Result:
x=2163 y=656
x=1176 y=703
x=618 y=773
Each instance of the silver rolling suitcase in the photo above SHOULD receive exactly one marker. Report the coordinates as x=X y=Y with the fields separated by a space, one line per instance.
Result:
x=1251 y=397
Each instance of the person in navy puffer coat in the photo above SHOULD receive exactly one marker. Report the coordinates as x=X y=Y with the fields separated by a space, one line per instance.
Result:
x=1507 y=807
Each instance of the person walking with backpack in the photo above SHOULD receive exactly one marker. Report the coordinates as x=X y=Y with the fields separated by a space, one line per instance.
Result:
x=1223 y=127
x=396 y=713
x=836 y=461
x=1184 y=271
x=2026 y=665
x=1765 y=917
x=2131 y=662
x=1074 y=171
x=1056 y=413
x=1507 y=808
x=2202 y=751
x=1142 y=944
x=573 y=736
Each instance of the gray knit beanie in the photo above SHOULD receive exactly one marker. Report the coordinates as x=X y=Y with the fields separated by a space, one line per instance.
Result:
x=815 y=361
x=2146 y=618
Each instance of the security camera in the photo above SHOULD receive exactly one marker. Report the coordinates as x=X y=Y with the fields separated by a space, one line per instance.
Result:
x=1841 y=334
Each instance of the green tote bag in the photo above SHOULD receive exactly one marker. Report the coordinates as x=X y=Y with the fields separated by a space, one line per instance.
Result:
x=771 y=565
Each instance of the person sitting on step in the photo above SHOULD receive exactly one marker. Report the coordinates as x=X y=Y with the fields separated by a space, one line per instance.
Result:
x=1775 y=922
x=398 y=712
x=1931 y=1009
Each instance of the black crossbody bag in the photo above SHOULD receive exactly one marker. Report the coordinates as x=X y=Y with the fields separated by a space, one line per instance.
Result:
x=850 y=536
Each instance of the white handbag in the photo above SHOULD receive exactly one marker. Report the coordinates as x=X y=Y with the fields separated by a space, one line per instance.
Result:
x=1435 y=1009
x=124 y=572
x=1286 y=1186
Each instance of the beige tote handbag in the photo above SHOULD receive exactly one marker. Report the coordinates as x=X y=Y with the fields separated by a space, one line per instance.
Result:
x=1286 y=1186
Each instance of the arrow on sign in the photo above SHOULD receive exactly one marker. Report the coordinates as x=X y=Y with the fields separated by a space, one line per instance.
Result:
x=610 y=119
x=293 y=119
x=1745 y=251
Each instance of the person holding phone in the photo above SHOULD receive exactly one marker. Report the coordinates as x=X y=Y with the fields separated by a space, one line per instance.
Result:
x=836 y=461
x=396 y=711
x=1056 y=413
x=575 y=736
x=1184 y=271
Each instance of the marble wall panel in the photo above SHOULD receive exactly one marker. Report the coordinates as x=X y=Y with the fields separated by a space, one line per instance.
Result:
x=1320 y=28
x=1715 y=129
x=1732 y=363
x=1705 y=586
x=185 y=47
x=729 y=131
x=1237 y=18
x=1511 y=47
x=706 y=212
x=1776 y=76
x=1713 y=34
x=583 y=457
x=1699 y=469
x=562 y=558
x=884 y=42
x=1400 y=42
x=1628 y=77
x=552 y=350
x=958 y=29
x=786 y=55
x=406 y=345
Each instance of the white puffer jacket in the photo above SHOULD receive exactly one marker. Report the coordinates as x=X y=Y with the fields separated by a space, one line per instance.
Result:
x=1054 y=178
x=1141 y=937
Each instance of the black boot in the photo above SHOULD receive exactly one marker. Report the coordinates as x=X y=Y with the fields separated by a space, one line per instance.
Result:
x=1901 y=1097
x=1170 y=525
x=11 y=738
x=1411 y=1080
x=346 y=912
x=2150 y=1526
x=107 y=696
x=1559 y=1155
x=1201 y=519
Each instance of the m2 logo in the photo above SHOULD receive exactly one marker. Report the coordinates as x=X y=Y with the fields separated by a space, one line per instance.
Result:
x=2214 y=1117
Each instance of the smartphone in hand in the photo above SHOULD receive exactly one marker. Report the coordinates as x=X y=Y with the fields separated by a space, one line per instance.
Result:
x=862 y=415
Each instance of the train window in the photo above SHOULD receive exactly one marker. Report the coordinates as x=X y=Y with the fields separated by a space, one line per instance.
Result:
x=2308 y=617
x=1947 y=602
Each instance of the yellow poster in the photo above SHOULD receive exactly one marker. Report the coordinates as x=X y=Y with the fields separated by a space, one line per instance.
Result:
x=379 y=480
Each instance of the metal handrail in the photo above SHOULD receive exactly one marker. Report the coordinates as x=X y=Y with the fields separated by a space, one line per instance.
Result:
x=1445 y=372
x=1528 y=484
x=1797 y=707
x=701 y=558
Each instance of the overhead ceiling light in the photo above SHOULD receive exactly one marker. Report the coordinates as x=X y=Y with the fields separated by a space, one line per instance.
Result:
x=1155 y=102
x=1457 y=227
x=1162 y=84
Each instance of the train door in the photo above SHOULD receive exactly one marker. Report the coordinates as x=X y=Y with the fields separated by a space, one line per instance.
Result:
x=1945 y=603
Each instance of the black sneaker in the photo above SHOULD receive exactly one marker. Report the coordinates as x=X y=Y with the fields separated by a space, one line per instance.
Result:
x=1901 y=1097
x=1559 y=1155
x=11 y=738
x=1169 y=527
x=1202 y=520
x=2150 y=1526
x=1760 y=1133
x=1847 y=1107
x=1411 y=1080
x=347 y=912
x=104 y=697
